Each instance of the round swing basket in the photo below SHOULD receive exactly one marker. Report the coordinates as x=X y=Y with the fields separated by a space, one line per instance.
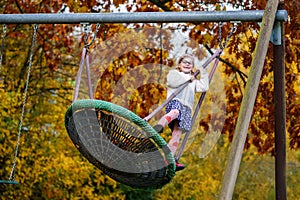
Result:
x=120 y=143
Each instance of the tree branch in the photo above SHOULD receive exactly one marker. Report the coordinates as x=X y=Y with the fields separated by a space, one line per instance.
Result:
x=19 y=7
x=235 y=69
x=161 y=4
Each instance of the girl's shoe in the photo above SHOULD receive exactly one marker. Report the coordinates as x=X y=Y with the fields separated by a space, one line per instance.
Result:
x=158 y=128
x=179 y=166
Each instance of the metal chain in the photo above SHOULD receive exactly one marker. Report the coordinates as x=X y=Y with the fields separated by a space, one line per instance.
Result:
x=97 y=28
x=220 y=35
x=231 y=32
x=11 y=177
x=2 y=46
x=87 y=29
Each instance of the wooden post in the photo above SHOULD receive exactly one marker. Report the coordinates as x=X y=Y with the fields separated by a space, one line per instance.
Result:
x=248 y=101
x=280 y=115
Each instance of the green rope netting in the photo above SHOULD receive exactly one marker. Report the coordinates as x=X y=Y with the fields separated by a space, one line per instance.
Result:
x=120 y=143
x=8 y=182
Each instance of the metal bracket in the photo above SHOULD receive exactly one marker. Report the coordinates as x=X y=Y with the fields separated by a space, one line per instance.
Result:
x=276 y=33
x=87 y=28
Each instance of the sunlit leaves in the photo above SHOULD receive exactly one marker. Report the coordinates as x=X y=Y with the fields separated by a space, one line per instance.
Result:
x=130 y=69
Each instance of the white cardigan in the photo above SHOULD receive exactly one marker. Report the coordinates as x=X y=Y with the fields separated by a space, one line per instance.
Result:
x=176 y=78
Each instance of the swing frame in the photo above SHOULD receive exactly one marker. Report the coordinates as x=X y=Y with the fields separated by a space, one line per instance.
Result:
x=140 y=17
x=280 y=17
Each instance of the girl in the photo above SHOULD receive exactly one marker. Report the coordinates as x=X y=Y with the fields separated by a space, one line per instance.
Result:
x=179 y=109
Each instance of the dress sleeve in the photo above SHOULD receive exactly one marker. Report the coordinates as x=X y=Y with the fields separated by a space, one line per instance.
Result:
x=176 y=78
x=202 y=85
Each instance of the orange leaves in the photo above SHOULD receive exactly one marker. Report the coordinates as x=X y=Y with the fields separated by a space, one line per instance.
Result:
x=295 y=135
x=130 y=60
x=118 y=2
x=145 y=97
x=132 y=84
x=294 y=125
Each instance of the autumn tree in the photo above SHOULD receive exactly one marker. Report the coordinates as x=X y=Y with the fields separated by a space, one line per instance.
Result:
x=48 y=165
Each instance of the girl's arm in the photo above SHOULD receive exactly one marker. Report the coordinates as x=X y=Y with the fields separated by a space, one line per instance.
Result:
x=202 y=85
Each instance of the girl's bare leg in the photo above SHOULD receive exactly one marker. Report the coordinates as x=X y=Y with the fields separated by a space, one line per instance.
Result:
x=174 y=142
x=167 y=118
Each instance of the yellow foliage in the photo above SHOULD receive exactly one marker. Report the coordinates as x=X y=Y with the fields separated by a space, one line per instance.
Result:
x=127 y=65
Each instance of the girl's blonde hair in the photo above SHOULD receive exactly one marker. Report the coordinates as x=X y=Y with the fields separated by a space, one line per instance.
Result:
x=186 y=56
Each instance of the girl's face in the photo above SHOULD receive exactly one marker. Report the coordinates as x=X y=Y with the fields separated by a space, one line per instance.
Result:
x=186 y=65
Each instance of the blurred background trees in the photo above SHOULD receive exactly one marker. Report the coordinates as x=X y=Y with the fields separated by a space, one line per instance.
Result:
x=50 y=167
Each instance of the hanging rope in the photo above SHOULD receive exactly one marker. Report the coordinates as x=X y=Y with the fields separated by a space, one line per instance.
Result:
x=12 y=174
x=85 y=58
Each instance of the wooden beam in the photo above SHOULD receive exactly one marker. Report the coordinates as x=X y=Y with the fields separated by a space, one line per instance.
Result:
x=248 y=101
